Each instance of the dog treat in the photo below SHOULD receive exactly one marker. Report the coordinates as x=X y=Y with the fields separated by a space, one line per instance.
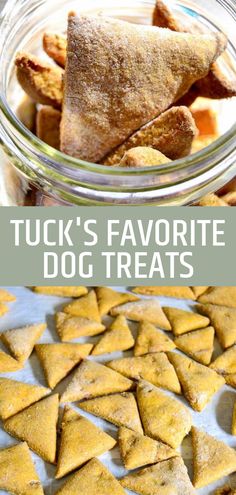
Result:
x=15 y=396
x=223 y=320
x=163 y=417
x=222 y=296
x=48 y=126
x=55 y=45
x=205 y=120
x=143 y=157
x=117 y=338
x=58 y=360
x=3 y=309
x=154 y=368
x=108 y=298
x=85 y=307
x=17 y=471
x=98 y=113
x=226 y=366
x=176 y=292
x=93 y=379
x=170 y=477
x=41 y=82
x=92 y=479
x=5 y=296
x=212 y=459
x=119 y=409
x=148 y=310
x=81 y=440
x=199 y=345
x=198 y=382
x=21 y=341
x=230 y=198
x=27 y=112
x=184 y=321
x=215 y=84
x=37 y=425
x=171 y=133
x=138 y=450
x=150 y=339
x=234 y=421
x=211 y=199
x=74 y=327
x=199 y=290
x=62 y=291
x=225 y=490
x=8 y=364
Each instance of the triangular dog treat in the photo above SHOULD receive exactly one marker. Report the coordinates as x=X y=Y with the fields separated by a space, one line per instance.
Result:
x=117 y=338
x=222 y=296
x=119 y=409
x=223 y=320
x=234 y=421
x=21 y=341
x=17 y=471
x=199 y=290
x=199 y=383
x=150 y=339
x=137 y=79
x=184 y=321
x=73 y=327
x=146 y=310
x=5 y=296
x=37 y=425
x=108 y=298
x=176 y=292
x=59 y=359
x=199 y=344
x=163 y=417
x=92 y=479
x=138 y=450
x=3 y=309
x=226 y=366
x=154 y=368
x=62 y=291
x=212 y=459
x=93 y=379
x=225 y=490
x=85 y=307
x=81 y=440
x=8 y=364
x=168 y=477
x=15 y=396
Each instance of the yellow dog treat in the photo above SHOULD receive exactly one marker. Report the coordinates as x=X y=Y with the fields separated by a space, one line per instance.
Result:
x=85 y=307
x=146 y=310
x=8 y=364
x=21 y=341
x=226 y=366
x=73 y=327
x=15 y=396
x=176 y=292
x=222 y=296
x=199 y=345
x=3 y=309
x=184 y=321
x=150 y=339
x=223 y=320
x=5 y=296
x=62 y=291
x=117 y=338
x=199 y=290
x=108 y=298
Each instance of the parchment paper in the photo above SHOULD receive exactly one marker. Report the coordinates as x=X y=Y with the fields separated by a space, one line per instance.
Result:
x=31 y=308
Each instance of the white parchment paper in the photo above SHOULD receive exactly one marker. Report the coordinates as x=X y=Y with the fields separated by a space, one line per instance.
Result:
x=31 y=308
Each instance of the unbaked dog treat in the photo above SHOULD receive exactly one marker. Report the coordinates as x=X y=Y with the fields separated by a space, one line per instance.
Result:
x=21 y=341
x=143 y=157
x=223 y=320
x=55 y=45
x=150 y=339
x=199 y=344
x=172 y=134
x=48 y=126
x=118 y=337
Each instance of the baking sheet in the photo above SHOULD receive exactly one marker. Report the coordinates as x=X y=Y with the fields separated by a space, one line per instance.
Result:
x=31 y=308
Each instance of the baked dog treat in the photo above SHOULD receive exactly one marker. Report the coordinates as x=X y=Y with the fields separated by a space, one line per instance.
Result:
x=21 y=341
x=143 y=157
x=55 y=45
x=150 y=339
x=184 y=321
x=48 y=126
x=72 y=327
x=223 y=320
x=199 y=344
x=118 y=337
x=225 y=364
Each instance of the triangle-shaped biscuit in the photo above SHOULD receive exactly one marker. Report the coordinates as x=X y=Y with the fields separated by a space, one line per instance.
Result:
x=154 y=368
x=58 y=360
x=167 y=477
x=37 y=425
x=225 y=364
x=92 y=479
x=163 y=417
x=199 y=290
x=212 y=459
x=15 y=396
x=62 y=291
x=21 y=341
x=8 y=364
x=6 y=296
x=222 y=296
x=93 y=379
x=223 y=320
x=138 y=79
x=85 y=307
x=3 y=309
x=145 y=310
x=117 y=338
x=199 y=383
x=176 y=292
x=199 y=345
x=81 y=440
x=73 y=327
x=119 y=409
x=17 y=471
x=184 y=321
x=108 y=298
x=150 y=339
x=138 y=450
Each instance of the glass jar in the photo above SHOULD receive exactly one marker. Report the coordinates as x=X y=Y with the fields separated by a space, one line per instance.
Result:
x=32 y=173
